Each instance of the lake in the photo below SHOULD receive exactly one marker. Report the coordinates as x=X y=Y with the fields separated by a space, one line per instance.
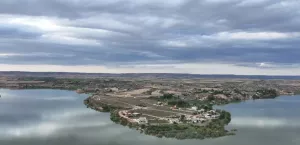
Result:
x=57 y=117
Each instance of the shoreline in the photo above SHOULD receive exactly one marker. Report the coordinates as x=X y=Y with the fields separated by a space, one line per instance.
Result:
x=143 y=129
x=217 y=128
x=180 y=109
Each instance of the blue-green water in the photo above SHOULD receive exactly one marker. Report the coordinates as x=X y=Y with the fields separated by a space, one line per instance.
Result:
x=56 y=117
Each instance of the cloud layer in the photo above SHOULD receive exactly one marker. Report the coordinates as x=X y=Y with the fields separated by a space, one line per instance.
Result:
x=256 y=34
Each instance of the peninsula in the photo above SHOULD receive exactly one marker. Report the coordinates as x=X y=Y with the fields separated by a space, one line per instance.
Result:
x=162 y=105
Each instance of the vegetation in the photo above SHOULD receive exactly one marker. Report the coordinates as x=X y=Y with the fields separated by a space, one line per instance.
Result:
x=179 y=103
x=105 y=107
x=172 y=100
x=265 y=93
x=214 y=129
x=167 y=97
x=297 y=92
x=213 y=92
x=204 y=104
x=225 y=117
x=114 y=116
x=108 y=108
x=207 y=107
x=202 y=91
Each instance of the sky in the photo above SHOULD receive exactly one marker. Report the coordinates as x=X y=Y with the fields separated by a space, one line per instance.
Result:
x=252 y=37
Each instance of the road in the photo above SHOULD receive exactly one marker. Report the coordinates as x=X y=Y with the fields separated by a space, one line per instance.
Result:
x=162 y=118
x=115 y=100
x=150 y=107
x=164 y=109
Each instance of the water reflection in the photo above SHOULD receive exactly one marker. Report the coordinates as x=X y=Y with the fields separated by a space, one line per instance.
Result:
x=55 y=117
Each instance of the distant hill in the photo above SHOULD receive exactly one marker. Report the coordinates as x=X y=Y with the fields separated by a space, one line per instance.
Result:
x=140 y=75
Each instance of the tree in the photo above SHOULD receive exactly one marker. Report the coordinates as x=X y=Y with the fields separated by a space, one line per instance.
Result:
x=143 y=126
x=210 y=98
x=182 y=118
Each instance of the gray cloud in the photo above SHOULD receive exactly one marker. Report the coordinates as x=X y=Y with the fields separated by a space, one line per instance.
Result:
x=12 y=32
x=79 y=32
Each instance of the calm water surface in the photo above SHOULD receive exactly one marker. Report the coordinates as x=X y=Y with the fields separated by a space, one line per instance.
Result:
x=55 y=117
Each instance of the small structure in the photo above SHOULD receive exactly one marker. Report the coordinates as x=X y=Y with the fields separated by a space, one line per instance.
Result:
x=79 y=91
x=195 y=120
x=188 y=117
x=114 y=89
x=174 y=120
x=135 y=114
x=212 y=111
x=129 y=114
x=138 y=107
x=201 y=110
x=212 y=115
x=159 y=104
x=174 y=107
x=215 y=116
x=207 y=115
x=127 y=95
x=142 y=120
x=202 y=120
x=194 y=108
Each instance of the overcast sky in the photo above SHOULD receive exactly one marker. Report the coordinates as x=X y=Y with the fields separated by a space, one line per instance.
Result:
x=167 y=36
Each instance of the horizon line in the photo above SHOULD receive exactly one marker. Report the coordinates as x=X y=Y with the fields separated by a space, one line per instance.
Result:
x=147 y=73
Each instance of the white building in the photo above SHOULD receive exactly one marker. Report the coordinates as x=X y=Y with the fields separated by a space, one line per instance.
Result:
x=142 y=120
x=195 y=120
x=114 y=89
x=198 y=120
x=215 y=116
x=194 y=108
x=212 y=111
x=201 y=110
x=207 y=115
x=188 y=117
